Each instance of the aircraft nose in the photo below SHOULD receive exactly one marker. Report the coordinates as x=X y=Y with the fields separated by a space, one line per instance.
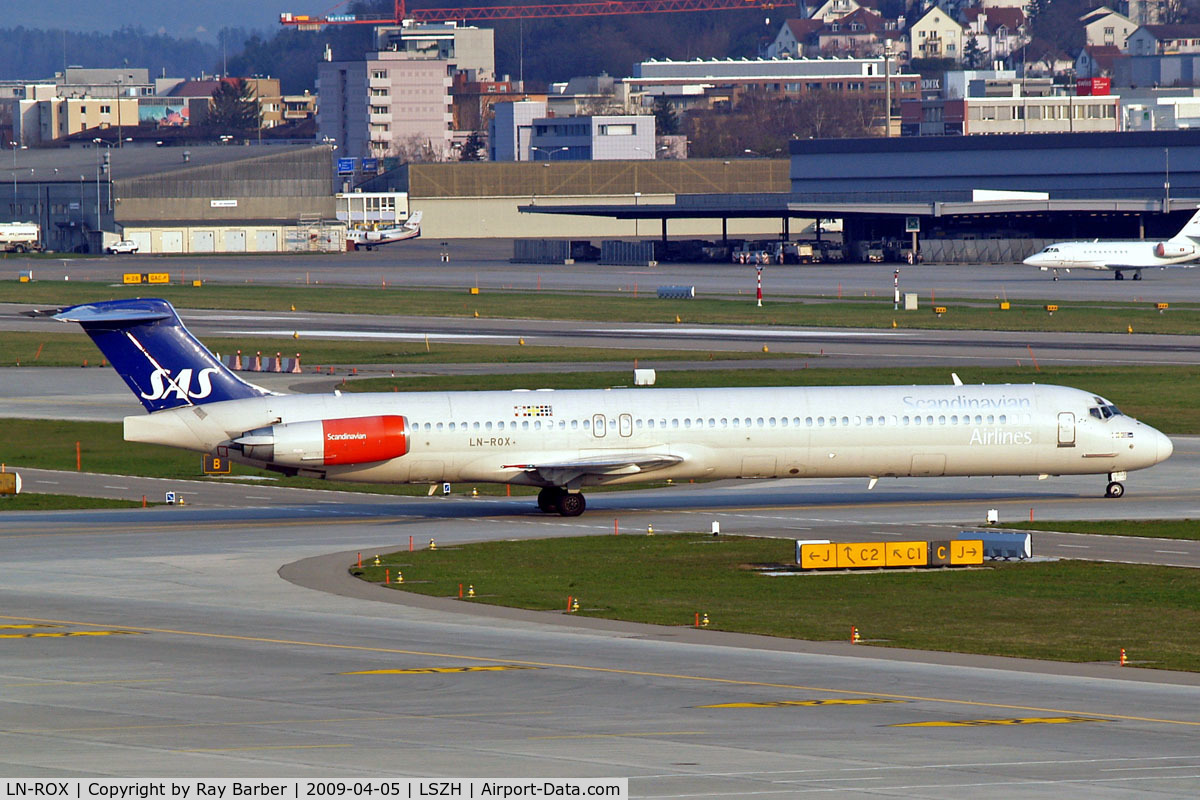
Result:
x=1165 y=447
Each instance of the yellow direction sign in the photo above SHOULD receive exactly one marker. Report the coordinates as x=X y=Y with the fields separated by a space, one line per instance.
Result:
x=907 y=554
x=836 y=701
x=438 y=670
x=973 y=723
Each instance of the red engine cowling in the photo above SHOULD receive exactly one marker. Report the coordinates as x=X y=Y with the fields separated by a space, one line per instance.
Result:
x=1173 y=249
x=353 y=440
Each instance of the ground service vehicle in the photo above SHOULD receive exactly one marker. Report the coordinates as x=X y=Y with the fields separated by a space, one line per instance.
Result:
x=20 y=237
x=123 y=246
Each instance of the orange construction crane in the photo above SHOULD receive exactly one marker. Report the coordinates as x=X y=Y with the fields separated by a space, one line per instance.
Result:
x=477 y=13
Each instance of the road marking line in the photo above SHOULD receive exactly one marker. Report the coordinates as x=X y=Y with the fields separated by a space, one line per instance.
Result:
x=1174 y=552
x=91 y=683
x=1076 y=546
x=614 y=671
x=288 y=722
x=438 y=670
x=619 y=735
x=259 y=747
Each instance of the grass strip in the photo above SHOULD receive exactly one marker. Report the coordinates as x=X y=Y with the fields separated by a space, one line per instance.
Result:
x=1150 y=528
x=874 y=312
x=29 y=349
x=1064 y=611
x=27 y=501
x=1162 y=396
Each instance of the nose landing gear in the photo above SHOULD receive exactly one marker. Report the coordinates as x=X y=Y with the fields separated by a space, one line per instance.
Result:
x=1115 y=487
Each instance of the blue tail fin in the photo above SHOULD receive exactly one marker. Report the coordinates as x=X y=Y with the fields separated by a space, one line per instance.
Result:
x=164 y=365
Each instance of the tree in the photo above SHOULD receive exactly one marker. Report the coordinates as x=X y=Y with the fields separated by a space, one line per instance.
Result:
x=234 y=109
x=666 y=121
x=472 y=149
x=972 y=53
x=415 y=150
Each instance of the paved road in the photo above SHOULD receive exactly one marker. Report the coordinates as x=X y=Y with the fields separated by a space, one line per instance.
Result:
x=201 y=642
x=485 y=263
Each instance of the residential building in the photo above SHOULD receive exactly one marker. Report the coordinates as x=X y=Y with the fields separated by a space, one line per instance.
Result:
x=511 y=129
x=1164 y=40
x=860 y=34
x=391 y=103
x=595 y=94
x=935 y=35
x=593 y=138
x=473 y=100
x=1104 y=27
x=997 y=31
x=471 y=49
x=1147 y=12
x=1096 y=61
x=831 y=10
x=793 y=39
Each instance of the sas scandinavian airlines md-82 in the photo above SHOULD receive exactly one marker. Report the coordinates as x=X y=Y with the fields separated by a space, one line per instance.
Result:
x=564 y=441
x=1121 y=257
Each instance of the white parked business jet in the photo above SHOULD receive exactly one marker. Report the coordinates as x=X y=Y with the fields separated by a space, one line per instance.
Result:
x=563 y=441
x=1122 y=257
x=372 y=237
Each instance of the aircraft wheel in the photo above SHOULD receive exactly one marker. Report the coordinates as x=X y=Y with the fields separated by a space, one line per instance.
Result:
x=1119 y=276
x=548 y=499
x=571 y=505
x=1137 y=276
x=1115 y=489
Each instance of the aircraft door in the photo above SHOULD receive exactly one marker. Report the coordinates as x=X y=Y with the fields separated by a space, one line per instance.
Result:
x=626 y=425
x=1066 y=429
x=598 y=426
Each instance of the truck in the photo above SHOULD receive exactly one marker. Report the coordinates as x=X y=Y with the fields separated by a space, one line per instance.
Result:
x=20 y=237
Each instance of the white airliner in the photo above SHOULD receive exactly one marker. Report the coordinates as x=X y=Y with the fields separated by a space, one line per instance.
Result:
x=372 y=237
x=564 y=441
x=1122 y=257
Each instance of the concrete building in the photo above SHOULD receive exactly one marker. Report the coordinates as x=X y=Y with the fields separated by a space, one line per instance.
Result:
x=472 y=49
x=476 y=200
x=176 y=200
x=510 y=130
x=1164 y=40
x=391 y=103
x=722 y=82
x=598 y=138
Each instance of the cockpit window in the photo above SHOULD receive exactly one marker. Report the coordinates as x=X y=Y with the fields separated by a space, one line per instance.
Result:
x=1104 y=411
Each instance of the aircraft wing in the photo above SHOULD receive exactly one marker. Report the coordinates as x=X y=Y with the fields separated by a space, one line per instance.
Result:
x=564 y=471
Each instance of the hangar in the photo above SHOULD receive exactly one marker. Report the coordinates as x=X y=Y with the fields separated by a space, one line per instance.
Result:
x=1016 y=189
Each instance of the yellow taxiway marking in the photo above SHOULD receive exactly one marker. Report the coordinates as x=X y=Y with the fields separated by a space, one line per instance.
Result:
x=289 y=722
x=620 y=735
x=438 y=670
x=62 y=634
x=259 y=747
x=832 y=701
x=973 y=723
x=617 y=671
x=19 y=627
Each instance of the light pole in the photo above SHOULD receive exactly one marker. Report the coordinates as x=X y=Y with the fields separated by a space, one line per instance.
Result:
x=552 y=151
x=13 y=145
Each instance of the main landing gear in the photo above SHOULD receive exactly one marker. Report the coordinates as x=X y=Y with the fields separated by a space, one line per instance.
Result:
x=1120 y=276
x=568 y=504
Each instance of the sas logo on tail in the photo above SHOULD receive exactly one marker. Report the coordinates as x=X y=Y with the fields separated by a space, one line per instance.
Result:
x=162 y=386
